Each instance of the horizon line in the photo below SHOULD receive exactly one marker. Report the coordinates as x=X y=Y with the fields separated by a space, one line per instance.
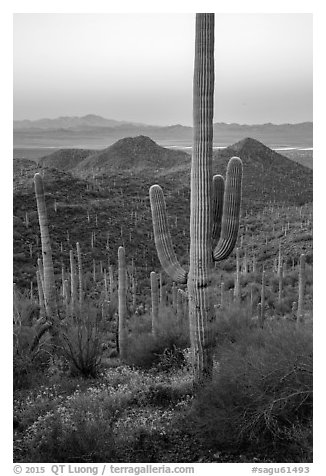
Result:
x=139 y=123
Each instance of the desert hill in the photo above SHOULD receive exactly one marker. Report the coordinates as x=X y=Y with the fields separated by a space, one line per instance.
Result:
x=267 y=175
x=137 y=154
x=114 y=205
x=65 y=159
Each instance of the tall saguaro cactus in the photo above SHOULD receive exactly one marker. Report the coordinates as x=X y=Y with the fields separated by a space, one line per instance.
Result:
x=214 y=206
x=48 y=271
x=122 y=296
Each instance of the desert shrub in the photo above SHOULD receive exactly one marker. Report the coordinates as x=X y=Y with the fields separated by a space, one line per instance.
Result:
x=76 y=430
x=117 y=418
x=31 y=347
x=165 y=350
x=232 y=324
x=81 y=339
x=140 y=324
x=261 y=396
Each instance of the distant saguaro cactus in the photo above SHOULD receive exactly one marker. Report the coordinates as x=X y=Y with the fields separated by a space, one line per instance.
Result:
x=155 y=304
x=49 y=289
x=215 y=209
x=280 y=284
x=300 y=314
x=261 y=313
x=73 y=282
x=237 y=291
x=122 y=296
x=80 y=274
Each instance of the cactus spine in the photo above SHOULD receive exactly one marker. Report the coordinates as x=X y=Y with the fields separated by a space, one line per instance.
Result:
x=122 y=295
x=155 y=304
x=48 y=271
x=212 y=218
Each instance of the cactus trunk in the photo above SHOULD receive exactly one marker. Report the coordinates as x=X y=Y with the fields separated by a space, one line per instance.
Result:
x=155 y=304
x=80 y=274
x=48 y=271
x=201 y=310
x=73 y=282
x=122 y=294
x=300 y=313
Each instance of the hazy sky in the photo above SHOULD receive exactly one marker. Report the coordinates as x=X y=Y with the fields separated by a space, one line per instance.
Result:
x=139 y=67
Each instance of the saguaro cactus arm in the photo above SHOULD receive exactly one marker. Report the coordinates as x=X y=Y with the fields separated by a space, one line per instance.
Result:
x=162 y=236
x=231 y=210
x=218 y=199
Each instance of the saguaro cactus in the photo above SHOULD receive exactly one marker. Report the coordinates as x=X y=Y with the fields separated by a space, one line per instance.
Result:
x=280 y=284
x=237 y=290
x=261 y=312
x=48 y=271
x=214 y=211
x=122 y=295
x=80 y=274
x=73 y=282
x=155 y=303
x=300 y=314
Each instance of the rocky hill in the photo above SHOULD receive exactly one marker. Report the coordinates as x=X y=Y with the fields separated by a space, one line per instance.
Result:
x=65 y=159
x=136 y=154
x=267 y=175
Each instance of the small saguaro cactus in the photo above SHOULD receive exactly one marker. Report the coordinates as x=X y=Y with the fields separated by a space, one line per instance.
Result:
x=237 y=291
x=73 y=282
x=155 y=304
x=214 y=209
x=49 y=289
x=300 y=314
x=122 y=296
x=261 y=312
x=80 y=274
x=280 y=284
x=222 y=298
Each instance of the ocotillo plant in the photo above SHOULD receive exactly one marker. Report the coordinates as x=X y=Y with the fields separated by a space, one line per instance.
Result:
x=122 y=295
x=155 y=304
x=214 y=211
x=49 y=289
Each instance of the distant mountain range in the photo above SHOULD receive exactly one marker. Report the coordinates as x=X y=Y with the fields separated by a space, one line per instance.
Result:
x=71 y=122
x=95 y=131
